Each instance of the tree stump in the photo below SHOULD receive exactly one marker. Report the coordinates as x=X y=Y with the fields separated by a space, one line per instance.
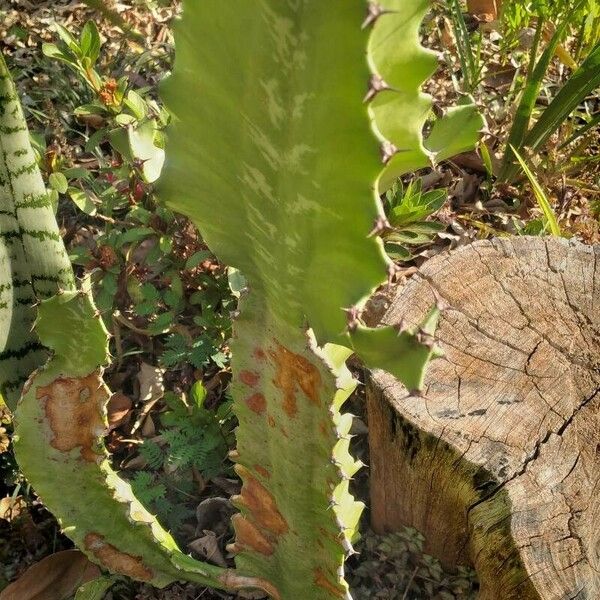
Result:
x=498 y=465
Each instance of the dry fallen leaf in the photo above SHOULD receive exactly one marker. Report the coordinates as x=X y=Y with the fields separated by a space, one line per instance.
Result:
x=150 y=380
x=152 y=389
x=56 y=577
x=207 y=547
x=214 y=514
x=118 y=409
x=4 y=440
x=11 y=508
x=488 y=8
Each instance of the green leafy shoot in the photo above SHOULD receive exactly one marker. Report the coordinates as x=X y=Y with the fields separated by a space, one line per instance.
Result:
x=540 y=196
x=407 y=209
x=192 y=436
x=131 y=122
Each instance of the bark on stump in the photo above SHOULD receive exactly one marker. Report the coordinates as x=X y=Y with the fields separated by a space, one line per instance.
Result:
x=499 y=464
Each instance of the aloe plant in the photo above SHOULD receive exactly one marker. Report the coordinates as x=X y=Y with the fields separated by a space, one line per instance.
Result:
x=33 y=261
x=279 y=167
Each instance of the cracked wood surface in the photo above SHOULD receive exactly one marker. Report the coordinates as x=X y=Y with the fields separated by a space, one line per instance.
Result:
x=499 y=464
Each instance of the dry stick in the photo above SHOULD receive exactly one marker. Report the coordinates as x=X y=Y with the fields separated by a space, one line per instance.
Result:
x=412 y=578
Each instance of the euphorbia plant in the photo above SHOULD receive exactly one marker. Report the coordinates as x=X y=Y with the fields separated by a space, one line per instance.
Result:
x=280 y=127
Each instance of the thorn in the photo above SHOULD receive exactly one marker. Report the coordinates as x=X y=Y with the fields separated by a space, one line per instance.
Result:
x=399 y=326
x=381 y=225
x=232 y=548
x=352 y=317
x=376 y=85
x=392 y=271
x=439 y=301
x=387 y=152
x=349 y=548
x=374 y=11
x=425 y=339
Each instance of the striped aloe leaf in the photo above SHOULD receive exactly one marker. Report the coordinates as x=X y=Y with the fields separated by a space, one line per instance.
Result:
x=33 y=261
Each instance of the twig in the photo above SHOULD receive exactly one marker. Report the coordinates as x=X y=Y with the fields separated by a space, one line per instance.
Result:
x=412 y=578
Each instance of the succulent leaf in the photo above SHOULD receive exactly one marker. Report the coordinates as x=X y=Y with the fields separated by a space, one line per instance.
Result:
x=59 y=427
x=33 y=261
x=272 y=155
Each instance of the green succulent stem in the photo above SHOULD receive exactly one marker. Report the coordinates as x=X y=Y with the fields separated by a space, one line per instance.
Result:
x=285 y=148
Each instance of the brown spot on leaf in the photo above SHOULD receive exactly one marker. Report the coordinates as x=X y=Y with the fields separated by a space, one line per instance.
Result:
x=271 y=421
x=259 y=353
x=257 y=403
x=249 y=378
x=247 y=535
x=324 y=428
x=294 y=371
x=74 y=411
x=261 y=504
x=262 y=471
x=322 y=582
x=115 y=560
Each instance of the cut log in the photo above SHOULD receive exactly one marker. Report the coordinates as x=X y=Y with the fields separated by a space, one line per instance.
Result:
x=498 y=465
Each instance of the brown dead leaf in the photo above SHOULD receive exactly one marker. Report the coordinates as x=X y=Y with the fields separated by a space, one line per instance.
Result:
x=4 y=440
x=214 y=514
x=148 y=428
x=207 y=547
x=152 y=389
x=119 y=407
x=56 y=577
x=150 y=380
x=488 y=9
x=12 y=508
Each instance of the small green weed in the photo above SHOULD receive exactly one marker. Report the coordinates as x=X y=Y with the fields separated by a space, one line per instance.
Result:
x=393 y=567
x=407 y=209
x=193 y=437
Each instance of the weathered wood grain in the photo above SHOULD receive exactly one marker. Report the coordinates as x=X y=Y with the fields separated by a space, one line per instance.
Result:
x=499 y=464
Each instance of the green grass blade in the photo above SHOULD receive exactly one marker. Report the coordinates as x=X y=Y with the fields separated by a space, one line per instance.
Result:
x=540 y=196
x=526 y=106
x=466 y=54
x=583 y=81
x=593 y=122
